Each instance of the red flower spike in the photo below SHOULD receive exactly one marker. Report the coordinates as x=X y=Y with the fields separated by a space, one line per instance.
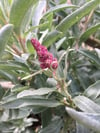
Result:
x=42 y=48
x=35 y=44
x=43 y=66
x=48 y=63
x=46 y=58
x=54 y=63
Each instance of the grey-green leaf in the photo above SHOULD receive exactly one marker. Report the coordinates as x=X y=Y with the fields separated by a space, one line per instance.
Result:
x=41 y=91
x=82 y=129
x=9 y=75
x=30 y=102
x=7 y=115
x=59 y=7
x=51 y=37
x=13 y=66
x=91 y=121
x=86 y=105
x=89 y=32
x=91 y=55
x=71 y=19
x=5 y=33
x=38 y=13
x=93 y=91
x=18 y=11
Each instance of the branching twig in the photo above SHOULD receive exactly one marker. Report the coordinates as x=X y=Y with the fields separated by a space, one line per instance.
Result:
x=88 y=20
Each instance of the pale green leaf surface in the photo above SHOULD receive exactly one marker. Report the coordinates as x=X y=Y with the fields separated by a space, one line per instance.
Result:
x=58 y=8
x=91 y=56
x=86 y=105
x=19 y=88
x=2 y=19
x=41 y=91
x=18 y=11
x=91 y=121
x=82 y=129
x=93 y=91
x=71 y=19
x=38 y=13
x=37 y=26
x=8 y=75
x=51 y=38
x=12 y=66
x=33 y=102
x=5 y=32
x=89 y=32
x=13 y=114
x=2 y=11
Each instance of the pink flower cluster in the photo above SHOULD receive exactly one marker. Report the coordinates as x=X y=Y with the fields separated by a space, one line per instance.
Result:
x=44 y=56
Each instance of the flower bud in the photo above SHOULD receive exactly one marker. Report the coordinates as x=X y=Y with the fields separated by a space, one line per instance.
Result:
x=54 y=63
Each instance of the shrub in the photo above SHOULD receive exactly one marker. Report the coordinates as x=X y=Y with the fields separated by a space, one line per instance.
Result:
x=52 y=86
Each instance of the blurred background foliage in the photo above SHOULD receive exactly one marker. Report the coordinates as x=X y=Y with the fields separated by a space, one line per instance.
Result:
x=30 y=100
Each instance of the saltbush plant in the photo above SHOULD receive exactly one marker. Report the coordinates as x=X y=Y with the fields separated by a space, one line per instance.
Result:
x=49 y=66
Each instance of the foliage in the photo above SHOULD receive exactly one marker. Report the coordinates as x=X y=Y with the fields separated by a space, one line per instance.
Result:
x=35 y=100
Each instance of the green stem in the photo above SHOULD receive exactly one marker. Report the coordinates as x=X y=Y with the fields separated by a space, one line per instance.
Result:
x=32 y=75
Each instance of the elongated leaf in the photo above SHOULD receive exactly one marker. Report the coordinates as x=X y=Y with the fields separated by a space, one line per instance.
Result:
x=2 y=19
x=89 y=32
x=59 y=7
x=91 y=56
x=18 y=11
x=53 y=127
x=37 y=26
x=60 y=42
x=93 y=91
x=8 y=75
x=26 y=20
x=70 y=20
x=12 y=66
x=38 y=13
x=89 y=121
x=19 y=88
x=41 y=91
x=17 y=114
x=2 y=11
x=8 y=115
x=48 y=24
x=82 y=129
x=33 y=102
x=86 y=105
x=51 y=38
x=5 y=32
